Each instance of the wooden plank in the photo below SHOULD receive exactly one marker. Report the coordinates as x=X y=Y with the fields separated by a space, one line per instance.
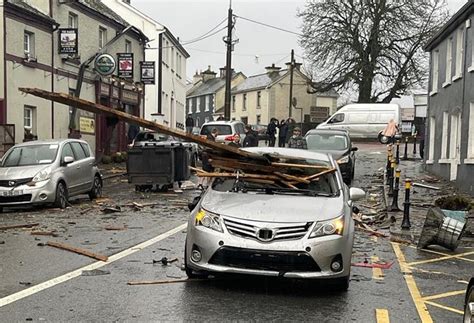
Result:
x=16 y=226
x=80 y=251
x=44 y=233
x=298 y=165
x=293 y=178
x=315 y=176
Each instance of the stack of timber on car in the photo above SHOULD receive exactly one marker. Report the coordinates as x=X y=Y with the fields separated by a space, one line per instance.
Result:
x=227 y=160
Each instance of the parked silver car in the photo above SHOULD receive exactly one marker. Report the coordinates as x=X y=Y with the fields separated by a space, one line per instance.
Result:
x=41 y=172
x=262 y=229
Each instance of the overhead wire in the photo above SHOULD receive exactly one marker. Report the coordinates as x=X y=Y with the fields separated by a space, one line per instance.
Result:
x=220 y=23
x=268 y=25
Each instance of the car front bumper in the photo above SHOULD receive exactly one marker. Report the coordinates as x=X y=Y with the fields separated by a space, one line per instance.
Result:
x=222 y=252
x=42 y=192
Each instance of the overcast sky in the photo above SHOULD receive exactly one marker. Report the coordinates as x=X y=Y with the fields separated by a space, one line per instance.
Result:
x=258 y=46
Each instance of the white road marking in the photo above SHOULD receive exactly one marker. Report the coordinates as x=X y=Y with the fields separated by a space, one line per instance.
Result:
x=73 y=274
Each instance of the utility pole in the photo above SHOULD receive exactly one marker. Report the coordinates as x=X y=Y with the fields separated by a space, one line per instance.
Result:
x=292 y=63
x=228 y=67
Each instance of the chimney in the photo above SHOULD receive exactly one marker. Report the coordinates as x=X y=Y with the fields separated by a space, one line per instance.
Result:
x=208 y=74
x=223 y=72
x=196 y=78
x=272 y=69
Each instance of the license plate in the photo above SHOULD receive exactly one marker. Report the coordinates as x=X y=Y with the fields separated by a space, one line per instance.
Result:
x=11 y=193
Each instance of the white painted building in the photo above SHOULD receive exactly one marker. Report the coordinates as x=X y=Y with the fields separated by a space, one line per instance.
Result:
x=165 y=100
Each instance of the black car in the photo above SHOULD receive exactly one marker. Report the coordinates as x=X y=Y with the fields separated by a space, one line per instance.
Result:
x=338 y=144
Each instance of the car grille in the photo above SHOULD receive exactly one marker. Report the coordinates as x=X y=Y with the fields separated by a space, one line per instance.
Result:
x=15 y=199
x=281 y=261
x=18 y=182
x=280 y=231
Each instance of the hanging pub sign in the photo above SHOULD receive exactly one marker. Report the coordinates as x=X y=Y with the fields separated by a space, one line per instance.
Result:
x=104 y=64
x=67 y=40
x=125 y=65
x=147 y=72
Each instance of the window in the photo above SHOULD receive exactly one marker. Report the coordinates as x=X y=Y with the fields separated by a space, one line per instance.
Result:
x=449 y=61
x=67 y=152
x=259 y=97
x=245 y=120
x=198 y=106
x=128 y=46
x=29 y=43
x=432 y=139
x=72 y=20
x=189 y=102
x=459 y=53
x=259 y=119
x=444 y=136
x=78 y=151
x=470 y=142
x=177 y=63
x=87 y=150
x=172 y=58
x=453 y=140
x=233 y=103
x=28 y=117
x=434 y=72
x=337 y=118
x=166 y=50
x=244 y=103
x=102 y=37
x=206 y=107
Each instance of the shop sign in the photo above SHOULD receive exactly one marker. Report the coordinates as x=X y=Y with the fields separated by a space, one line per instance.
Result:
x=87 y=125
x=147 y=72
x=104 y=64
x=115 y=92
x=67 y=40
x=129 y=97
x=104 y=89
x=125 y=65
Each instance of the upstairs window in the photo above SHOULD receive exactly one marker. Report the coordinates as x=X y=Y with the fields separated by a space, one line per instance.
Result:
x=72 y=20
x=233 y=103
x=449 y=61
x=102 y=37
x=244 y=103
x=29 y=43
x=459 y=52
x=128 y=46
x=434 y=72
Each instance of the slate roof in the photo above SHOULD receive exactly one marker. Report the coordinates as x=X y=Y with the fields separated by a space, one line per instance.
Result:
x=209 y=87
x=101 y=8
x=258 y=81
x=23 y=5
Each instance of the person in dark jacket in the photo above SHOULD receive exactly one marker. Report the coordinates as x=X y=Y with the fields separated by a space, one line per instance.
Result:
x=297 y=141
x=271 y=132
x=251 y=139
x=282 y=133
x=189 y=124
x=420 y=137
x=236 y=141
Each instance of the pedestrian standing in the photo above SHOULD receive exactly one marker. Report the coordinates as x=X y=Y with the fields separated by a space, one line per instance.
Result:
x=296 y=140
x=271 y=132
x=391 y=129
x=291 y=125
x=282 y=133
x=420 y=137
x=236 y=141
x=251 y=139
x=189 y=124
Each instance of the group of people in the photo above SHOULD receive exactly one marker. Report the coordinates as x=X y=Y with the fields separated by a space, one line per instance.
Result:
x=288 y=132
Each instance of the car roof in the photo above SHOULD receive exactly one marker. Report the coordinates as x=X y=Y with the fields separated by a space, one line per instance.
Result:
x=222 y=122
x=48 y=142
x=328 y=131
x=289 y=152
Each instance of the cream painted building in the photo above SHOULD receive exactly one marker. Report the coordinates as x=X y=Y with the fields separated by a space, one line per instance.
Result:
x=262 y=97
x=165 y=100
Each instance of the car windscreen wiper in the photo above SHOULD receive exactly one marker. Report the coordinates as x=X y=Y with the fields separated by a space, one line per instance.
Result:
x=281 y=190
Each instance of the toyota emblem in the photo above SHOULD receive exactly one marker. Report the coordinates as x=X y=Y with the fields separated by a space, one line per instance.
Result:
x=11 y=183
x=265 y=234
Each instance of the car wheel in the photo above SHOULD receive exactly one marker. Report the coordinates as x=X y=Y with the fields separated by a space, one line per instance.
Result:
x=61 y=196
x=192 y=274
x=341 y=284
x=469 y=307
x=96 y=190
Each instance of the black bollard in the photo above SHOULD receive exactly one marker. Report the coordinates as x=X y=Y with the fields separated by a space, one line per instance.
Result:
x=394 y=207
x=405 y=154
x=397 y=156
x=414 y=145
x=406 y=206
x=389 y=168
x=392 y=174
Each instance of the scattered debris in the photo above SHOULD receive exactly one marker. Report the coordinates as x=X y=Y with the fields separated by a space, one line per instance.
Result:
x=25 y=283
x=95 y=272
x=379 y=264
x=2 y=242
x=77 y=250
x=112 y=228
x=44 y=233
x=41 y=244
x=71 y=222
x=160 y=282
x=164 y=261
x=111 y=209
x=16 y=226
x=426 y=186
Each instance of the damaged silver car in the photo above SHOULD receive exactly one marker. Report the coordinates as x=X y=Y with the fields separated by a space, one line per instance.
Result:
x=245 y=227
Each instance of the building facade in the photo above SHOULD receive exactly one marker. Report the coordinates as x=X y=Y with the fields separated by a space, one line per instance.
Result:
x=165 y=99
x=449 y=134
x=265 y=96
x=32 y=58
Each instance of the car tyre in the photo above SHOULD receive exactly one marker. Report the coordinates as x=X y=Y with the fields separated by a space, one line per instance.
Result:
x=61 y=200
x=96 y=190
x=342 y=284
x=468 y=315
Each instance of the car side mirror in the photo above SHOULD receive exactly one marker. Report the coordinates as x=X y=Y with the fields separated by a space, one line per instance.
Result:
x=192 y=205
x=356 y=194
x=354 y=149
x=67 y=160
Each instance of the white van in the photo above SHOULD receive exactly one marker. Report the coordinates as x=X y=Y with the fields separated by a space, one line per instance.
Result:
x=363 y=120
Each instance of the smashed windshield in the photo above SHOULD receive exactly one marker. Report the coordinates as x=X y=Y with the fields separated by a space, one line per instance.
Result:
x=31 y=155
x=326 y=142
x=303 y=177
x=154 y=136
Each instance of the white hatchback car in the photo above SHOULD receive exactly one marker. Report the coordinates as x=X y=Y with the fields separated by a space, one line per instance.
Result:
x=254 y=228
x=49 y=171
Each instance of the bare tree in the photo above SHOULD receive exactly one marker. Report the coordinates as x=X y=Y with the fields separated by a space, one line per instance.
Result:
x=375 y=45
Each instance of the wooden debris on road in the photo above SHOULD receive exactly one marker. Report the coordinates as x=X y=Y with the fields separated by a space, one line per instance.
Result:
x=426 y=186
x=115 y=228
x=44 y=233
x=166 y=281
x=17 y=226
x=110 y=209
x=381 y=265
x=80 y=251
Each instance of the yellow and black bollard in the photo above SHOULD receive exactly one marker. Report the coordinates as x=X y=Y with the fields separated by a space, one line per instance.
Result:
x=406 y=206
x=414 y=145
x=397 y=156
x=389 y=163
x=394 y=207
x=405 y=154
x=392 y=174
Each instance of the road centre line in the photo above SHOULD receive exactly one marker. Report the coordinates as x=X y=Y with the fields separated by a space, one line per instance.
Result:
x=457 y=256
x=448 y=308
x=377 y=273
x=381 y=315
x=73 y=274
x=437 y=296
x=411 y=284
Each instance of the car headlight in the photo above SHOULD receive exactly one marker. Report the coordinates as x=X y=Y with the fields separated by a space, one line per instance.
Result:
x=343 y=160
x=330 y=227
x=44 y=175
x=209 y=220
